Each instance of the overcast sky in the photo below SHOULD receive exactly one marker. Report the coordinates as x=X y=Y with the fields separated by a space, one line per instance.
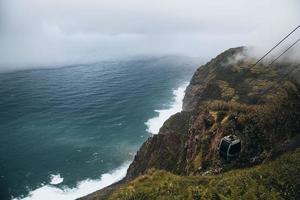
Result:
x=43 y=33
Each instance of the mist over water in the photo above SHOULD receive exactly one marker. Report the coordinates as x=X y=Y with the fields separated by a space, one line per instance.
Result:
x=69 y=131
x=65 y=32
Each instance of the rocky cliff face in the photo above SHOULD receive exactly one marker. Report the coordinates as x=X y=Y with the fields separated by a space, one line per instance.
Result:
x=225 y=87
x=161 y=151
x=264 y=99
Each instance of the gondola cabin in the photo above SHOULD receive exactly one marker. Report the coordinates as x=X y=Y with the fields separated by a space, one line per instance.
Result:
x=229 y=147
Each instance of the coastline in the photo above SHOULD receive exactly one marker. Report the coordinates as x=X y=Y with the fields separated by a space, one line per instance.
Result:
x=85 y=187
x=88 y=186
x=155 y=123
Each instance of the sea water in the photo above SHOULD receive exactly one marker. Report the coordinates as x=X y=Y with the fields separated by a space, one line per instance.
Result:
x=67 y=132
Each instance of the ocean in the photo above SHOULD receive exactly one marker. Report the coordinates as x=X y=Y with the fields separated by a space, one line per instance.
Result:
x=66 y=132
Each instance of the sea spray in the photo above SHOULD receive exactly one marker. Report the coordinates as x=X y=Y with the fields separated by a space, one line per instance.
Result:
x=85 y=187
x=56 y=179
x=154 y=124
x=88 y=186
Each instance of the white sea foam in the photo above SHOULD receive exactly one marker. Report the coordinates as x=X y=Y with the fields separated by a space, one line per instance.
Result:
x=50 y=192
x=56 y=179
x=85 y=187
x=154 y=124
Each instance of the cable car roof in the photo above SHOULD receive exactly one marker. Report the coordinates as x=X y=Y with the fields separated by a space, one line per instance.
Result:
x=232 y=139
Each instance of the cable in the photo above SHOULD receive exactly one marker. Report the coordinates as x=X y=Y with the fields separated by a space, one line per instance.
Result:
x=274 y=47
x=277 y=56
x=284 y=76
x=284 y=52
x=281 y=79
x=280 y=56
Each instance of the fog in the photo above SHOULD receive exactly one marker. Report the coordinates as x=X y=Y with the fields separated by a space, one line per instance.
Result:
x=52 y=33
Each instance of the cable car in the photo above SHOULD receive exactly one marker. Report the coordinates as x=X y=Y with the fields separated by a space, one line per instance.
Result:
x=230 y=147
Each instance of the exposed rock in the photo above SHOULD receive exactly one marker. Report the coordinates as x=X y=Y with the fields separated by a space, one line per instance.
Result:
x=162 y=150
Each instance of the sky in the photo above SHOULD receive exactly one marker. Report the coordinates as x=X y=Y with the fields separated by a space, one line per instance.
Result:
x=51 y=33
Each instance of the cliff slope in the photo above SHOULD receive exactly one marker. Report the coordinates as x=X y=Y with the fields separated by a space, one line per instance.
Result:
x=268 y=181
x=265 y=100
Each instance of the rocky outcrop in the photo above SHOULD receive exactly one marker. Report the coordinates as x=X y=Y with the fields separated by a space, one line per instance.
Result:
x=203 y=85
x=162 y=150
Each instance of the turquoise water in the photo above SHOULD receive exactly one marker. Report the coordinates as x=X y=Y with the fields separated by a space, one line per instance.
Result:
x=79 y=122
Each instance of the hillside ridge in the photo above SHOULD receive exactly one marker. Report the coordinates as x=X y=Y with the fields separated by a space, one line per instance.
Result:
x=268 y=120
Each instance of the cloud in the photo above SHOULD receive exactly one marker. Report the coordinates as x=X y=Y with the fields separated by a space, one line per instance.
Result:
x=49 y=33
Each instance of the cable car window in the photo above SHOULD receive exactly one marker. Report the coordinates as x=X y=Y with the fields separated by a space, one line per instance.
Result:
x=236 y=148
x=224 y=146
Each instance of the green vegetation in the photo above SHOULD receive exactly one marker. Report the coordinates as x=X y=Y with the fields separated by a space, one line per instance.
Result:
x=279 y=179
x=263 y=98
x=262 y=128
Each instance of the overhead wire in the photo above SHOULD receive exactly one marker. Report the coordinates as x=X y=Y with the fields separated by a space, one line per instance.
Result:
x=295 y=68
x=252 y=66
x=274 y=47
x=284 y=52
x=283 y=76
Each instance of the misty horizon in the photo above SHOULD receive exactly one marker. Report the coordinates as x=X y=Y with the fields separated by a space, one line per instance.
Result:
x=99 y=96
x=37 y=34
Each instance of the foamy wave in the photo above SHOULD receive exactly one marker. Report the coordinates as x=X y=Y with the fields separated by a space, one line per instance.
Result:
x=49 y=192
x=56 y=179
x=154 y=124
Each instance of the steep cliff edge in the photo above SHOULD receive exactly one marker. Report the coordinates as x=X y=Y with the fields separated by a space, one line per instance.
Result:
x=266 y=104
x=264 y=99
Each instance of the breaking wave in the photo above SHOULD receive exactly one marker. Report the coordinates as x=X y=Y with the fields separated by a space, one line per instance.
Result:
x=85 y=187
x=154 y=124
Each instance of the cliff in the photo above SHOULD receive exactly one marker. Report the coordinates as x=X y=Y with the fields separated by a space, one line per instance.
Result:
x=265 y=100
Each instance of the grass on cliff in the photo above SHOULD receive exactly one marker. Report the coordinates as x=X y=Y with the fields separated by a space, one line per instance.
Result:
x=279 y=179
